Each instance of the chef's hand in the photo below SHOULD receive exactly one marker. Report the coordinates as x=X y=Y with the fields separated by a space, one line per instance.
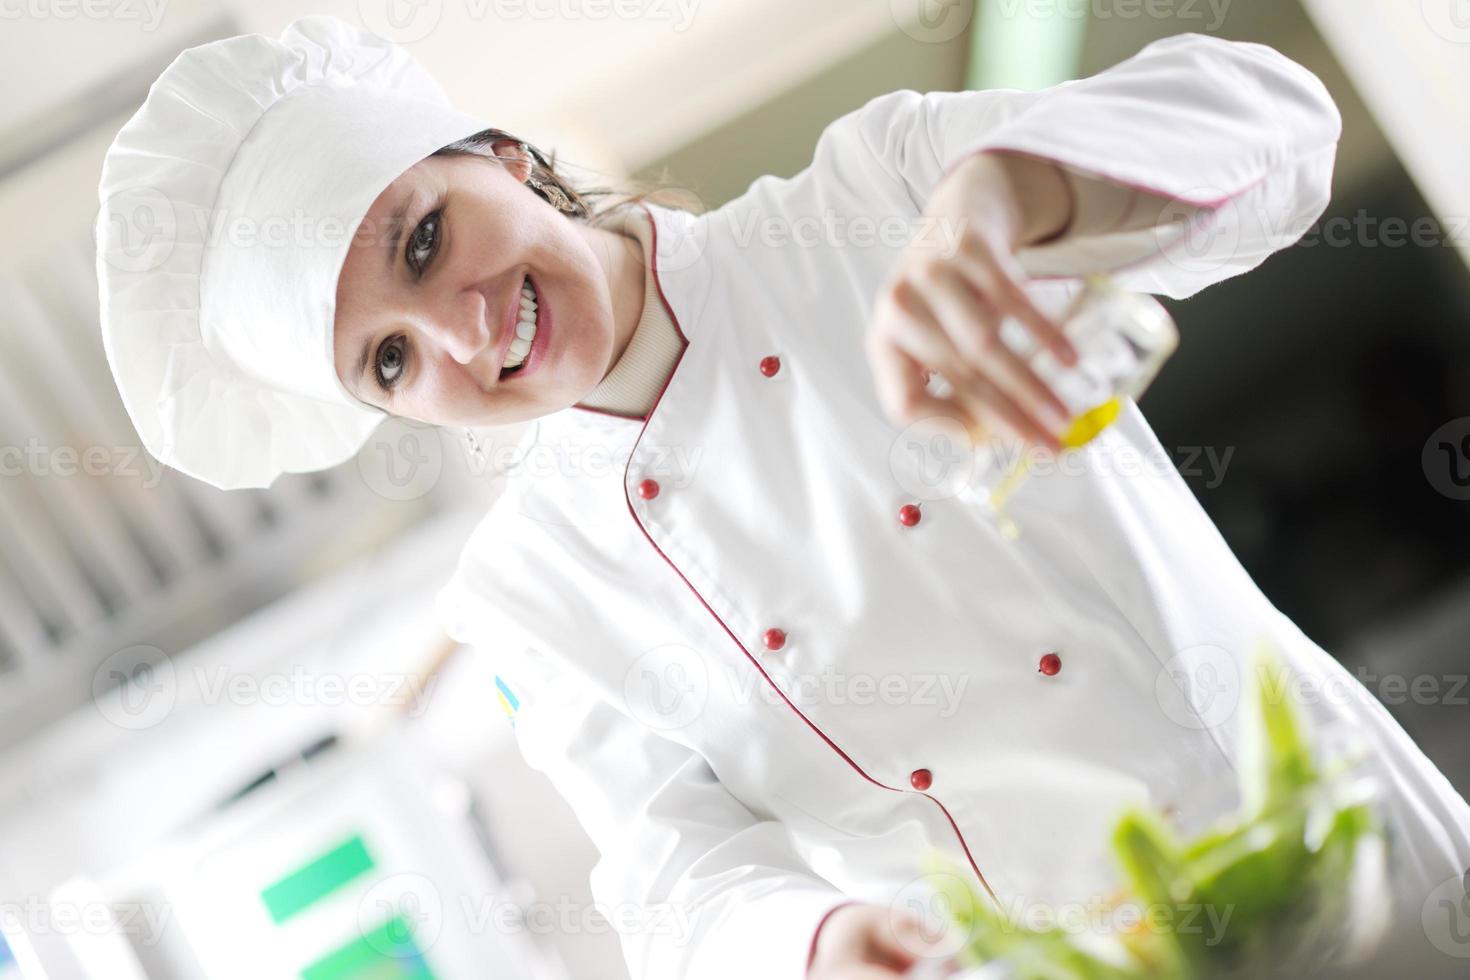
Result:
x=869 y=942
x=943 y=308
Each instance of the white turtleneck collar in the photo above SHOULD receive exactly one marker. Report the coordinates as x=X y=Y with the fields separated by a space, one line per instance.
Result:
x=639 y=376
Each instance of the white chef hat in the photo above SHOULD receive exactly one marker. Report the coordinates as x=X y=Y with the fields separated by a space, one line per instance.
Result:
x=229 y=201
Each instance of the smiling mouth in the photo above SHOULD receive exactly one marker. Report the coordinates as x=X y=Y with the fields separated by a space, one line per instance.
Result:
x=526 y=325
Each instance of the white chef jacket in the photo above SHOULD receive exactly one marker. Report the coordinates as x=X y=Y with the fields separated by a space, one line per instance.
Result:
x=763 y=693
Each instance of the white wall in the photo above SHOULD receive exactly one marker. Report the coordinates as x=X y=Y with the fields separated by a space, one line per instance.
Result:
x=1411 y=63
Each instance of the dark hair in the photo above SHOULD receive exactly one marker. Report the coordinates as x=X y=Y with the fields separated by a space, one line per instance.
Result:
x=589 y=202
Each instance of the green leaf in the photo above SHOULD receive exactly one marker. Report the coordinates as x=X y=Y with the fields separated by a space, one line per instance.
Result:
x=1276 y=758
x=1289 y=869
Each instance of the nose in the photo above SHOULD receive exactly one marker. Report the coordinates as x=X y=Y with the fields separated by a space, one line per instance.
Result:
x=460 y=327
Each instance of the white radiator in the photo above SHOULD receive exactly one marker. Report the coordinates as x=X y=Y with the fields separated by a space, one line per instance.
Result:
x=102 y=548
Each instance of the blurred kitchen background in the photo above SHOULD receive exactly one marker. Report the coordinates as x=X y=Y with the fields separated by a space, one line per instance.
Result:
x=212 y=761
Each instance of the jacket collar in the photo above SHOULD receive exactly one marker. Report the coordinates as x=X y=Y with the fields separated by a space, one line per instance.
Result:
x=679 y=240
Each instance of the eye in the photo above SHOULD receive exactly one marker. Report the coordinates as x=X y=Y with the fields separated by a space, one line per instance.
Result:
x=391 y=361
x=423 y=243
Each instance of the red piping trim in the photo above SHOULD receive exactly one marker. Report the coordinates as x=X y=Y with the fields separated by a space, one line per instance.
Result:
x=754 y=662
x=811 y=954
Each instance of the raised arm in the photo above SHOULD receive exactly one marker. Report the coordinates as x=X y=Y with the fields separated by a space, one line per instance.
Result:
x=1223 y=152
x=1229 y=146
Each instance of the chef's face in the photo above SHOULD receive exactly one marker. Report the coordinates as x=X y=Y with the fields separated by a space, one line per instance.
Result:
x=426 y=309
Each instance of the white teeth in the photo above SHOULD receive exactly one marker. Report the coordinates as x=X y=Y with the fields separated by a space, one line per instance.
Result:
x=525 y=329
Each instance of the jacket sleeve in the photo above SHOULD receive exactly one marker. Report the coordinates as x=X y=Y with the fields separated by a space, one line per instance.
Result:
x=694 y=883
x=1237 y=141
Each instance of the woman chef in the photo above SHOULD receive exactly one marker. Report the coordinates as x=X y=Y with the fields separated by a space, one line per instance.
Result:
x=767 y=655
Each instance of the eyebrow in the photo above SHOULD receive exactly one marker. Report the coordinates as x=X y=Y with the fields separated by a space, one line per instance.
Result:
x=363 y=358
x=395 y=225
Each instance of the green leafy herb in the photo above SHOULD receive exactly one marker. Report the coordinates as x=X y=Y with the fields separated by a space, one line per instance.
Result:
x=1293 y=877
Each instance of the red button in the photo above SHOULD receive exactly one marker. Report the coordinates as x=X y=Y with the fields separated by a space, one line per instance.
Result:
x=774 y=639
x=921 y=779
x=1050 y=664
x=648 y=489
x=770 y=365
x=909 y=514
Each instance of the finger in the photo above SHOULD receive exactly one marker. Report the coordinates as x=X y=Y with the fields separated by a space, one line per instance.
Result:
x=994 y=419
x=888 y=950
x=974 y=326
x=996 y=410
x=899 y=380
x=903 y=944
x=906 y=318
x=998 y=276
x=898 y=355
x=918 y=336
